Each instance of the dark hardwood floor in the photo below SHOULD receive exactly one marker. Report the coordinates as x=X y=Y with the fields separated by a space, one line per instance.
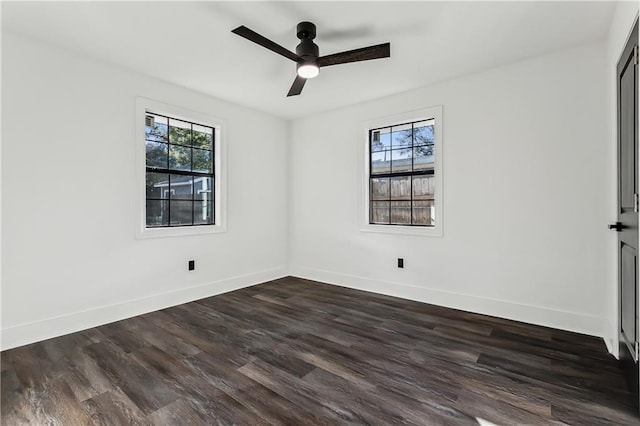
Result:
x=298 y=352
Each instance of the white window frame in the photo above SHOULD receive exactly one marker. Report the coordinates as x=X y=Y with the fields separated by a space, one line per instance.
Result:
x=143 y=106
x=435 y=113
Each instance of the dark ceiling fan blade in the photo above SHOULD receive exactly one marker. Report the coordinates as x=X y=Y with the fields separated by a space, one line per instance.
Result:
x=363 y=54
x=296 y=87
x=253 y=36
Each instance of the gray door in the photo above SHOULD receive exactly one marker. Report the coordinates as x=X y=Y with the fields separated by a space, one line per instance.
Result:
x=627 y=225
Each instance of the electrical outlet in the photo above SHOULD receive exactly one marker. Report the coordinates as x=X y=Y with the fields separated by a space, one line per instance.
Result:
x=400 y=262
x=192 y=265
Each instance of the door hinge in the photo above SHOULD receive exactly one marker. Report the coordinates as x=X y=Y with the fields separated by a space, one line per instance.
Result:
x=637 y=354
x=636 y=203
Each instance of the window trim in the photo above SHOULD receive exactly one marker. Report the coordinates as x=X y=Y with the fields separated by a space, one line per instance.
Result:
x=144 y=105
x=435 y=113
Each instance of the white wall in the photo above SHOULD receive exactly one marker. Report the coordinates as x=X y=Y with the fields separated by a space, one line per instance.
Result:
x=621 y=25
x=525 y=196
x=70 y=256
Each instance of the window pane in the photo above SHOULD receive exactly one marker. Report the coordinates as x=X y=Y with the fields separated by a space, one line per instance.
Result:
x=380 y=162
x=157 y=154
x=181 y=187
x=403 y=154
x=202 y=137
x=401 y=188
x=157 y=213
x=203 y=212
x=203 y=188
x=401 y=212
x=401 y=160
x=202 y=161
x=423 y=213
x=401 y=136
x=155 y=128
x=179 y=158
x=380 y=139
x=379 y=188
x=181 y=213
x=157 y=185
x=423 y=187
x=423 y=157
x=379 y=212
x=423 y=132
x=179 y=132
x=175 y=150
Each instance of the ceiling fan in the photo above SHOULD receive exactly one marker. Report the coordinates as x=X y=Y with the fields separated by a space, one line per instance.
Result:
x=308 y=61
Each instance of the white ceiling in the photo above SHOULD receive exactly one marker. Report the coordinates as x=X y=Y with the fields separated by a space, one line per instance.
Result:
x=191 y=44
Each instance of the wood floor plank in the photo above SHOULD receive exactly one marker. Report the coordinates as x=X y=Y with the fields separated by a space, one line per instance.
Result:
x=121 y=334
x=379 y=407
x=178 y=413
x=81 y=387
x=148 y=331
x=498 y=411
x=299 y=352
x=12 y=394
x=282 y=358
x=275 y=409
x=281 y=382
x=215 y=405
x=512 y=394
x=145 y=389
x=60 y=404
x=113 y=408
x=86 y=378
x=31 y=364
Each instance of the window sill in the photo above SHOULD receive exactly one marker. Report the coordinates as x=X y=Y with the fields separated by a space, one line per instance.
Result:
x=180 y=231
x=403 y=230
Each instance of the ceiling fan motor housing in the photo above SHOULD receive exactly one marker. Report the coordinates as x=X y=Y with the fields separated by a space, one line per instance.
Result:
x=307 y=49
x=306 y=30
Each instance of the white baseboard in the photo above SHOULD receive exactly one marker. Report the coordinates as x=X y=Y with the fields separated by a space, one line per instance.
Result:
x=23 y=334
x=611 y=339
x=564 y=320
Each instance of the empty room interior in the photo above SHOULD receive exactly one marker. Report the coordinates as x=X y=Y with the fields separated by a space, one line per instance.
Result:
x=319 y=213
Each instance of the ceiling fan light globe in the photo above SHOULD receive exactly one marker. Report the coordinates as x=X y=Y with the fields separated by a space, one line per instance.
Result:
x=308 y=70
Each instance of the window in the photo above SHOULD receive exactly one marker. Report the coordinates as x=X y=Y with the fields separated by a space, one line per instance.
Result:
x=179 y=172
x=181 y=167
x=402 y=188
